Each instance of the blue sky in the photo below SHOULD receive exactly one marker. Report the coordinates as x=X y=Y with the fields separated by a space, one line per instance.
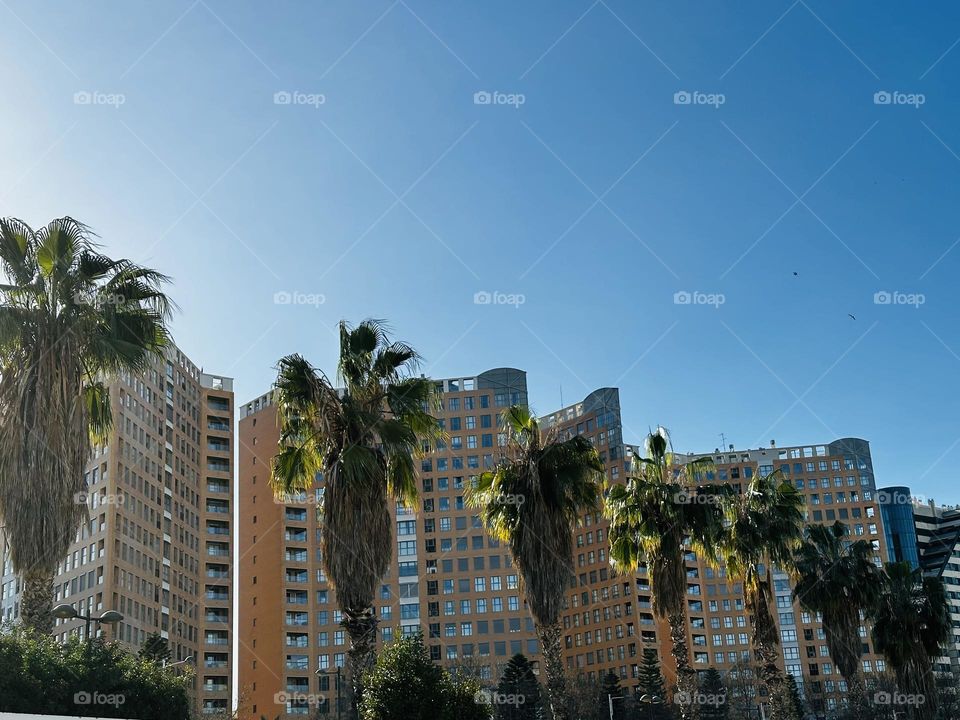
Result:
x=588 y=189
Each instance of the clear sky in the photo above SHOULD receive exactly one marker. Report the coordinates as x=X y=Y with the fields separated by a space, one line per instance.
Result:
x=781 y=198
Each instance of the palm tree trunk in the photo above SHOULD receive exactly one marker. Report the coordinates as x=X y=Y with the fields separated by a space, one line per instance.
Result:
x=553 y=666
x=766 y=643
x=36 y=603
x=857 y=692
x=686 y=675
x=362 y=630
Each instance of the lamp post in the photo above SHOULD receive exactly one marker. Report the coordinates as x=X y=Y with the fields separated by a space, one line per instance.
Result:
x=330 y=672
x=68 y=612
x=610 y=699
x=650 y=700
x=166 y=664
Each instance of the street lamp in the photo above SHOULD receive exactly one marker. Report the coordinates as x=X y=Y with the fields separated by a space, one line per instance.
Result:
x=650 y=700
x=330 y=672
x=610 y=699
x=166 y=664
x=68 y=612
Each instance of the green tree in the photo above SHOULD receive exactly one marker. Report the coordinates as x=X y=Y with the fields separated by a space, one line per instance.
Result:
x=764 y=528
x=654 y=519
x=37 y=675
x=651 y=679
x=155 y=648
x=533 y=501
x=796 y=702
x=363 y=439
x=713 y=696
x=464 y=699
x=612 y=696
x=838 y=579
x=70 y=319
x=910 y=622
x=519 y=684
x=404 y=684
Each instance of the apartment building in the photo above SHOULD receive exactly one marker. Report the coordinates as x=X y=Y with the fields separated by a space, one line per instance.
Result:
x=938 y=543
x=454 y=583
x=837 y=482
x=449 y=579
x=158 y=546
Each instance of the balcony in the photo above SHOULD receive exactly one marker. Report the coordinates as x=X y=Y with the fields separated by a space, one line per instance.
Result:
x=218 y=465
x=215 y=660
x=218 y=424
x=217 y=486
x=216 y=639
x=217 y=592
x=218 y=506
x=218 y=550
x=214 y=686
x=218 y=445
x=217 y=403
x=217 y=571
x=216 y=617
x=215 y=527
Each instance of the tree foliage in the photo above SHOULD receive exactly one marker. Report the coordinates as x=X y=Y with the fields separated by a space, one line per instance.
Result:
x=518 y=681
x=405 y=684
x=37 y=675
x=70 y=319
x=155 y=648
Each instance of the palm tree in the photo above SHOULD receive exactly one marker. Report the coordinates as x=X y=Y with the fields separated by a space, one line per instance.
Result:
x=533 y=501
x=764 y=527
x=839 y=580
x=70 y=319
x=362 y=439
x=654 y=518
x=911 y=621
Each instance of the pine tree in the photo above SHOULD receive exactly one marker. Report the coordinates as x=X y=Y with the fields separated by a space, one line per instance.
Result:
x=652 y=685
x=611 y=689
x=518 y=692
x=155 y=648
x=796 y=702
x=713 y=697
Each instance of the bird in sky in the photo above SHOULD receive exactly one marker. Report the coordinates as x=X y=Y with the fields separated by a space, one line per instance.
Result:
x=851 y=316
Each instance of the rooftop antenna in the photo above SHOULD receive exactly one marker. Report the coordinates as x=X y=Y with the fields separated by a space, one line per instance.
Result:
x=561 y=394
x=723 y=440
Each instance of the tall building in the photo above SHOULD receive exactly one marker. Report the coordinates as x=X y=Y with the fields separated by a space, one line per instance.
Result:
x=837 y=483
x=449 y=579
x=158 y=546
x=938 y=540
x=454 y=583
